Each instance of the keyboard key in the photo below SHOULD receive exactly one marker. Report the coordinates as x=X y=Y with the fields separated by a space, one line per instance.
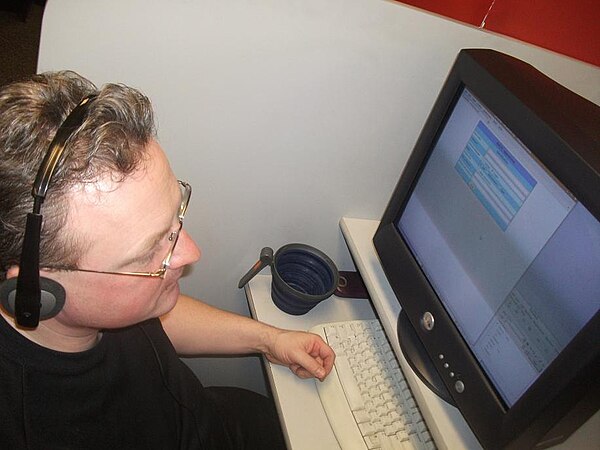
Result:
x=373 y=441
x=393 y=443
x=361 y=416
x=402 y=435
x=367 y=429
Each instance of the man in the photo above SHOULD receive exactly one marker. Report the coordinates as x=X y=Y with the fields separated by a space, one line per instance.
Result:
x=104 y=371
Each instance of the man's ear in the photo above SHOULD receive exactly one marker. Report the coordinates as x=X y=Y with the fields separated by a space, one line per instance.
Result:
x=12 y=272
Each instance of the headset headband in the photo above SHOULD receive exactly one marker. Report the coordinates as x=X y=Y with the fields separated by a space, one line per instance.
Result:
x=28 y=293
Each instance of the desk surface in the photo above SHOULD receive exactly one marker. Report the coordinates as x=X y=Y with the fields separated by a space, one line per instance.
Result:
x=303 y=419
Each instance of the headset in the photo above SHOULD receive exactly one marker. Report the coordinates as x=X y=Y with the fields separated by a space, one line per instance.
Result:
x=28 y=297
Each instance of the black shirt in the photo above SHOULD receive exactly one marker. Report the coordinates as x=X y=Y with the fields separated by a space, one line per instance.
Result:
x=129 y=391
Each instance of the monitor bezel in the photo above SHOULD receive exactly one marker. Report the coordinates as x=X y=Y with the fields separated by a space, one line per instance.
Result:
x=557 y=126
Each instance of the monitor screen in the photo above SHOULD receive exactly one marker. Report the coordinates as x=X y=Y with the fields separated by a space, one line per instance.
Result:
x=510 y=252
x=491 y=244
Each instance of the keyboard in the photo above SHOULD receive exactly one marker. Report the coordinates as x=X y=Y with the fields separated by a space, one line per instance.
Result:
x=366 y=398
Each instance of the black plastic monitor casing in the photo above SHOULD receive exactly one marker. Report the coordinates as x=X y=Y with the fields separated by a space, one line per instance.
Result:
x=562 y=130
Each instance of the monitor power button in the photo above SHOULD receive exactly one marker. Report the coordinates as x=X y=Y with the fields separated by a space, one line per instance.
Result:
x=459 y=386
x=427 y=321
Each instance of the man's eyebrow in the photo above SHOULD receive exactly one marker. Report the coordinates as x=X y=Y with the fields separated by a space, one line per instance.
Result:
x=154 y=240
x=149 y=244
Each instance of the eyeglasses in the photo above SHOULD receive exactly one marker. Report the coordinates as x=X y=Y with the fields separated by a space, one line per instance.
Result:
x=186 y=193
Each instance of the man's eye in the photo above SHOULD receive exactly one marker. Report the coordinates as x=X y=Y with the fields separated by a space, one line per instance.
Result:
x=148 y=257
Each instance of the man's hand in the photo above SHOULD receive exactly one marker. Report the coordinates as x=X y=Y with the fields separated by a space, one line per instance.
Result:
x=306 y=354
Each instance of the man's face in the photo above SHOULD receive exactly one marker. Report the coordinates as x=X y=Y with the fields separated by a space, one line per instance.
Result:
x=125 y=227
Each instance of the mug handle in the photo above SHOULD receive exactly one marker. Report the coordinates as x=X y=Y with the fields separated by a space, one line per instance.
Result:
x=266 y=259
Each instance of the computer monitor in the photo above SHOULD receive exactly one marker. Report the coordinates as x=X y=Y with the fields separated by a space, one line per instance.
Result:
x=491 y=243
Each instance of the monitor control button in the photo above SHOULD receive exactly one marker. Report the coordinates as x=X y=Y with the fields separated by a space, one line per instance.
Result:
x=459 y=386
x=427 y=321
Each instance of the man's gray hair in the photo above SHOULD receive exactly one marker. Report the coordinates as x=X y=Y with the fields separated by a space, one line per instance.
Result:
x=111 y=142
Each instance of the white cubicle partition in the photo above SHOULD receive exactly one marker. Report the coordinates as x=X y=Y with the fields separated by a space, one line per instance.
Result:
x=284 y=115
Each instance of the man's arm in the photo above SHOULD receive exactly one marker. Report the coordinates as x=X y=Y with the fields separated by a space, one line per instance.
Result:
x=197 y=328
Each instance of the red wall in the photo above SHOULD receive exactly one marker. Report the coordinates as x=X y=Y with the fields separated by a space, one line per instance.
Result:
x=570 y=27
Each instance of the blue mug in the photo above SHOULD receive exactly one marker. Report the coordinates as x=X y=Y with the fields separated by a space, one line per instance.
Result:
x=302 y=276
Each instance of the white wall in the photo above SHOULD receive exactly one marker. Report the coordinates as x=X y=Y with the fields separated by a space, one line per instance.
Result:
x=284 y=115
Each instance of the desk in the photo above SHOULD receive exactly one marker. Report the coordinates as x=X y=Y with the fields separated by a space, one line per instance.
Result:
x=303 y=420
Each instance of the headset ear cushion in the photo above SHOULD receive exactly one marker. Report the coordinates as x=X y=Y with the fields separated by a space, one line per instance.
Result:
x=52 y=298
